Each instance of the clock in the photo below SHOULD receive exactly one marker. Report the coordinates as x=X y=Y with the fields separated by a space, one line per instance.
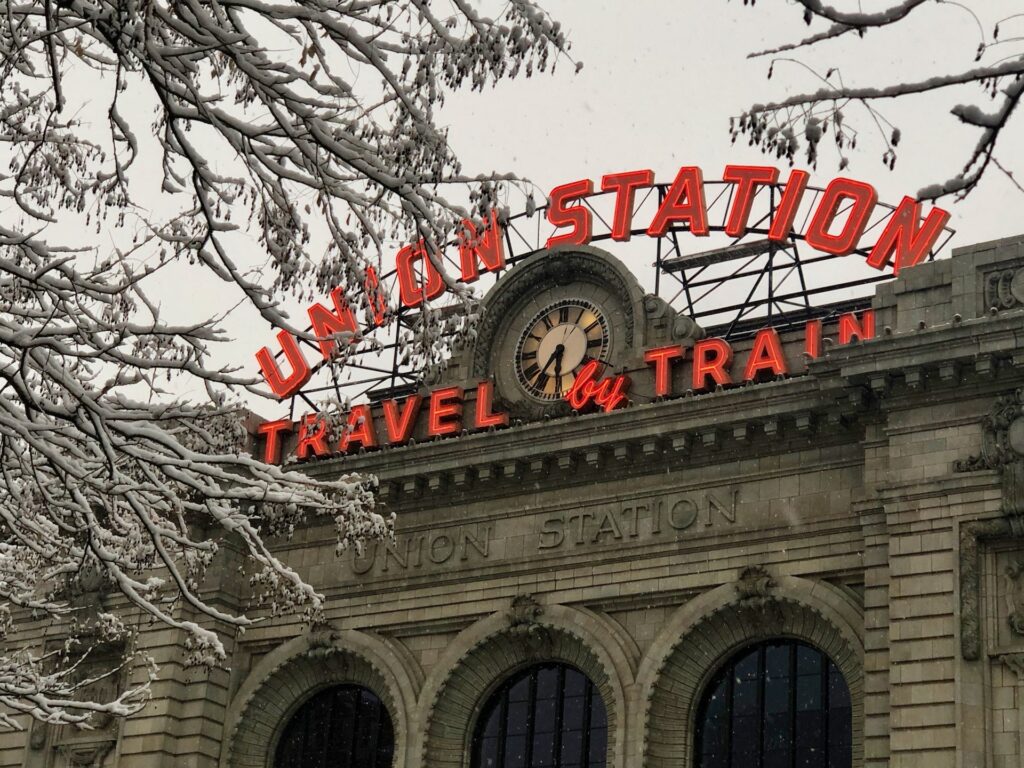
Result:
x=556 y=343
x=543 y=321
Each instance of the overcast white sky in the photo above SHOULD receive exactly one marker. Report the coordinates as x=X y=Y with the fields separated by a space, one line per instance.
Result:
x=661 y=78
x=659 y=82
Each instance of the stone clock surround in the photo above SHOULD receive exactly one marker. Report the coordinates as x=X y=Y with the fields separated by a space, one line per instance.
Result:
x=559 y=266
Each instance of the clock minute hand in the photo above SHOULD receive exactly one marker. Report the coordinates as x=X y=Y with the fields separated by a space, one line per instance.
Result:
x=556 y=357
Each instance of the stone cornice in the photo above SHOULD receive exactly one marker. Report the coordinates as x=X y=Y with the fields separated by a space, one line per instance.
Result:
x=949 y=350
x=838 y=390
x=650 y=433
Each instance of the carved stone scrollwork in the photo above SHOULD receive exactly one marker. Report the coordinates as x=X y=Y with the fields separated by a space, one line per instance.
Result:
x=1015 y=597
x=321 y=641
x=523 y=617
x=1004 y=289
x=524 y=611
x=755 y=588
x=86 y=755
x=52 y=746
x=37 y=738
x=1015 y=662
x=1003 y=441
x=755 y=585
x=670 y=325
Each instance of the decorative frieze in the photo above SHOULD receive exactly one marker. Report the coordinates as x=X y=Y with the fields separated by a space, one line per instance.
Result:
x=1004 y=288
x=1003 y=439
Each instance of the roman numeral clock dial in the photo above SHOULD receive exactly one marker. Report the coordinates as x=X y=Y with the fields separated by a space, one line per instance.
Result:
x=555 y=345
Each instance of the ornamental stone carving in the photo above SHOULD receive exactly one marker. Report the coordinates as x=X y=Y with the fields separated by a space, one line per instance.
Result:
x=755 y=591
x=523 y=619
x=1015 y=596
x=322 y=641
x=1003 y=441
x=755 y=585
x=1004 y=288
x=52 y=746
x=1015 y=663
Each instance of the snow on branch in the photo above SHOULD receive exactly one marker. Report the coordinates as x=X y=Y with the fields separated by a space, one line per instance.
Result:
x=309 y=124
x=800 y=121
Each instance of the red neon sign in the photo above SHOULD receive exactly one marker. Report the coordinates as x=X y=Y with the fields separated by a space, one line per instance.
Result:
x=590 y=390
x=445 y=412
x=836 y=226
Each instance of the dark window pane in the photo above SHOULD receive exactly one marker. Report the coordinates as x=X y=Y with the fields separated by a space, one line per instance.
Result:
x=552 y=716
x=572 y=748
x=838 y=692
x=776 y=695
x=598 y=746
x=781 y=704
x=343 y=726
x=746 y=668
x=515 y=751
x=491 y=724
x=543 y=749
x=547 y=683
x=575 y=683
x=518 y=713
x=489 y=747
x=598 y=718
x=572 y=713
x=520 y=691
x=545 y=716
x=808 y=694
x=808 y=660
x=744 y=697
x=777 y=660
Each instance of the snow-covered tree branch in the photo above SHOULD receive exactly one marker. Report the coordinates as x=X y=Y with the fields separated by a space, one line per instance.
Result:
x=308 y=123
x=840 y=110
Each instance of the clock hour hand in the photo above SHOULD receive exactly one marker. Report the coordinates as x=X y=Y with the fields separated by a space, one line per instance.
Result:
x=556 y=357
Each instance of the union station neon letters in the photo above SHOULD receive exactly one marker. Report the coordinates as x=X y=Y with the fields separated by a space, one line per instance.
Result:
x=711 y=363
x=835 y=226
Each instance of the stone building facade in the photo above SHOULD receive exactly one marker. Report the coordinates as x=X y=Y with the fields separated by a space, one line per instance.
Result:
x=868 y=505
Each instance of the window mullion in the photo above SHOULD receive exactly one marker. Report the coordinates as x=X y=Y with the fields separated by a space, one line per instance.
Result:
x=531 y=715
x=761 y=674
x=559 y=706
x=826 y=664
x=585 y=754
x=792 y=705
x=502 y=728
x=731 y=690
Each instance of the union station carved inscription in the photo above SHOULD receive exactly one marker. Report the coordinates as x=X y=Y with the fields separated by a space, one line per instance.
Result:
x=637 y=520
x=423 y=550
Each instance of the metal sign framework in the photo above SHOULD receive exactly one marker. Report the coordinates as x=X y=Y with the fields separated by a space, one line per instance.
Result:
x=731 y=291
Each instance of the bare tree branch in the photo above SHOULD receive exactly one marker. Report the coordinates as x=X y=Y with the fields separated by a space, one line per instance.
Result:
x=308 y=123
x=786 y=126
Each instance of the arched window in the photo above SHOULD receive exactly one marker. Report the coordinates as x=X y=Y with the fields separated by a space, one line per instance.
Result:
x=546 y=716
x=779 y=704
x=346 y=726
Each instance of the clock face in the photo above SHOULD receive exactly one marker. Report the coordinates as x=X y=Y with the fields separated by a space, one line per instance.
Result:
x=555 y=345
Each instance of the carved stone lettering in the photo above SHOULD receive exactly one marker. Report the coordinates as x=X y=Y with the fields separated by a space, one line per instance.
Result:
x=610 y=524
x=421 y=551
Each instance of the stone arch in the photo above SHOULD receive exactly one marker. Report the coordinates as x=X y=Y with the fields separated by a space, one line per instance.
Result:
x=287 y=676
x=702 y=634
x=485 y=653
